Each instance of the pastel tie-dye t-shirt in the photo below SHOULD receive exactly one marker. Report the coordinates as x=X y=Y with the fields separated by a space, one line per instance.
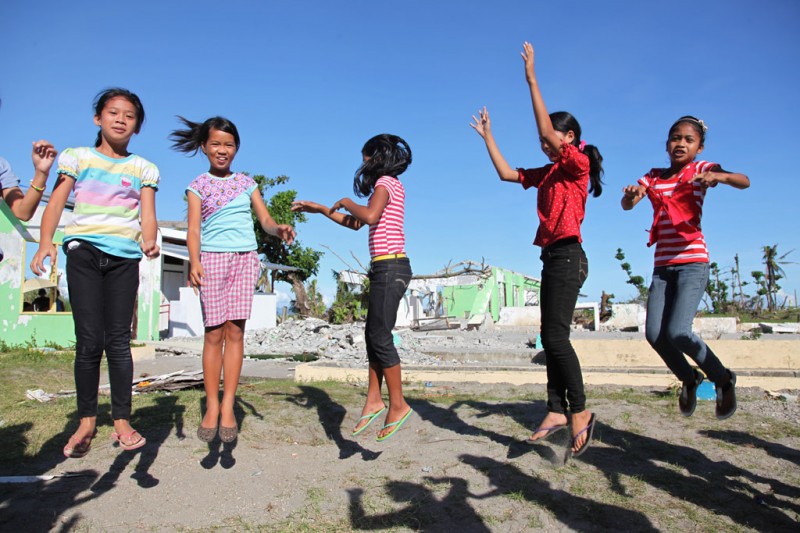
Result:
x=107 y=193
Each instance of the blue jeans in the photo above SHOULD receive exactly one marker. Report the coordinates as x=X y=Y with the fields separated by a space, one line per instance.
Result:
x=388 y=280
x=102 y=291
x=672 y=303
x=564 y=270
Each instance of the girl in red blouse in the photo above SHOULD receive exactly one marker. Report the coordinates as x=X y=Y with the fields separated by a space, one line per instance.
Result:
x=575 y=170
x=680 y=276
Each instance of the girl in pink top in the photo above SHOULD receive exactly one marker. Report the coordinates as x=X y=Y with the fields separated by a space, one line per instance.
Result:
x=575 y=170
x=385 y=157
x=680 y=276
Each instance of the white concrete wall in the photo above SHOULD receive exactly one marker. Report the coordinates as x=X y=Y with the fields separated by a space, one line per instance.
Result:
x=186 y=317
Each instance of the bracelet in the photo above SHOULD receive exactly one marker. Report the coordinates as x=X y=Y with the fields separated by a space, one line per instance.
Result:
x=35 y=188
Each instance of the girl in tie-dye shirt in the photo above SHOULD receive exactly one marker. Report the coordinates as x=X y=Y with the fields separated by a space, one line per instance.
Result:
x=113 y=224
x=224 y=261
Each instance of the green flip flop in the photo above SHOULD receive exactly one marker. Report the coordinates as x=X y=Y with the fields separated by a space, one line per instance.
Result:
x=370 y=418
x=395 y=426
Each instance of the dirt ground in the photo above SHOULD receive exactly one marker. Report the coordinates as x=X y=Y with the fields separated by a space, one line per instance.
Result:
x=459 y=464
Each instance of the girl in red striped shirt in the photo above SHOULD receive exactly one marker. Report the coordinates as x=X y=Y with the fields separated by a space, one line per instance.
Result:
x=385 y=157
x=563 y=185
x=680 y=276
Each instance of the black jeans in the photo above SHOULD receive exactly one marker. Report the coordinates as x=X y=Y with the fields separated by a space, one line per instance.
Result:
x=388 y=280
x=102 y=290
x=564 y=271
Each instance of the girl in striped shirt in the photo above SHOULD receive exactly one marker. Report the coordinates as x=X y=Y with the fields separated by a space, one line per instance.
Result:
x=113 y=224
x=680 y=276
x=385 y=157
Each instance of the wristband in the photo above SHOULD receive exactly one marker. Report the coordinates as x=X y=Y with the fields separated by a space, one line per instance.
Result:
x=35 y=188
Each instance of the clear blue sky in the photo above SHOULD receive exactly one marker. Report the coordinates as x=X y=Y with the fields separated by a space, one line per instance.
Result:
x=308 y=82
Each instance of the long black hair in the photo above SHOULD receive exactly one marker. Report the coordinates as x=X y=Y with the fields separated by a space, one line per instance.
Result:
x=565 y=122
x=191 y=139
x=388 y=155
x=102 y=99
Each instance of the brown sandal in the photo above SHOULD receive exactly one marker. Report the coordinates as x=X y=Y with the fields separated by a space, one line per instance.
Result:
x=227 y=434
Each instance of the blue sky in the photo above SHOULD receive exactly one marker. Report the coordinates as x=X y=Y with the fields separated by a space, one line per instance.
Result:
x=308 y=82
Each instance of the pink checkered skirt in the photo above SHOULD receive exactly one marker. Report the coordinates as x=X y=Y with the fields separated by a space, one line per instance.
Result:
x=228 y=286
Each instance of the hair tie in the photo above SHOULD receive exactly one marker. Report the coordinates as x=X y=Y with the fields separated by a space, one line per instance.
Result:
x=581 y=146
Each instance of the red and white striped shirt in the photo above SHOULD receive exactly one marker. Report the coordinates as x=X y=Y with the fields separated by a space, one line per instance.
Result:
x=677 y=211
x=387 y=236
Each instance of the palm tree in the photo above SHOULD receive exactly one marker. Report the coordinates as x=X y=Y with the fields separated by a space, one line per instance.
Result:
x=774 y=272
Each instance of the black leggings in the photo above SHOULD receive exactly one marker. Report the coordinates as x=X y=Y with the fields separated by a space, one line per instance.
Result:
x=102 y=291
x=564 y=271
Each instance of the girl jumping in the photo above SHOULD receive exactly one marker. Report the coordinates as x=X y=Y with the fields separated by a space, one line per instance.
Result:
x=224 y=261
x=680 y=275
x=385 y=157
x=575 y=170
x=113 y=224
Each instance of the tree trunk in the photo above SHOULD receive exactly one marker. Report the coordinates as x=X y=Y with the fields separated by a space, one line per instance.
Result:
x=300 y=296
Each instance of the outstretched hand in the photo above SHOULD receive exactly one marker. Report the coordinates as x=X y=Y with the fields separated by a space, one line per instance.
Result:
x=304 y=206
x=285 y=232
x=707 y=179
x=482 y=124
x=633 y=191
x=527 y=56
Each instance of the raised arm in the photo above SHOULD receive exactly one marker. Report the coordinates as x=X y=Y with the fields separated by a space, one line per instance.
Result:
x=24 y=205
x=547 y=134
x=483 y=125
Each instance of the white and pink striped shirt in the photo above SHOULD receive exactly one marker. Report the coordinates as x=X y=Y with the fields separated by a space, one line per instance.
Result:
x=388 y=236
x=678 y=208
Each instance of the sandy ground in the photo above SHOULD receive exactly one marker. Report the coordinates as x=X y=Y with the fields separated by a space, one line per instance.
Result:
x=455 y=466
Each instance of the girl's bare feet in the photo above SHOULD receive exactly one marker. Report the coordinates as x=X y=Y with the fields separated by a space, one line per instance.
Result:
x=552 y=422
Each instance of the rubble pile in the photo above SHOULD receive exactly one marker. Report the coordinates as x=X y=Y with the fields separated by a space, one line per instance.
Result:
x=341 y=343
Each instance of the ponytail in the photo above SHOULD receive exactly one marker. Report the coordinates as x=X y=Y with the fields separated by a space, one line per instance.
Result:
x=196 y=133
x=565 y=122
x=595 y=169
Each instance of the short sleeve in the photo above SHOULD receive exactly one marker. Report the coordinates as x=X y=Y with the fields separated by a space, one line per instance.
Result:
x=386 y=184
x=647 y=179
x=573 y=162
x=8 y=180
x=706 y=166
x=150 y=176
x=68 y=163
x=532 y=177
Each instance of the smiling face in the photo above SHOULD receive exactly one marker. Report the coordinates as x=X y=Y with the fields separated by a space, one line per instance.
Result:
x=220 y=148
x=683 y=144
x=117 y=121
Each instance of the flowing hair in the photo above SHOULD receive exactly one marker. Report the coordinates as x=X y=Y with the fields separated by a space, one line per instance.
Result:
x=196 y=133
x=564 y=122
x=387 y=155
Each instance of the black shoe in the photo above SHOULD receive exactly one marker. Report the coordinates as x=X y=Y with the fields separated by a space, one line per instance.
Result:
x=687 y=401
x=726 y=398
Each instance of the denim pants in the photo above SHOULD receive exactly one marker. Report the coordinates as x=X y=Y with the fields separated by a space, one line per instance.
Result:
x=388 y=280
x=672 y=303
x=564 y=270
x=102 y=291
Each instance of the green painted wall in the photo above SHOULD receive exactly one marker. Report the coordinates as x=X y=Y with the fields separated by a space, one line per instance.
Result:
x=41 y=329
x=485 y=297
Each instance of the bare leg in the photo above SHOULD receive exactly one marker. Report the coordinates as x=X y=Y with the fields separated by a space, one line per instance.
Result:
x=398 y=407
x=232 y=368
x=374 y=401
x=212 y=367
